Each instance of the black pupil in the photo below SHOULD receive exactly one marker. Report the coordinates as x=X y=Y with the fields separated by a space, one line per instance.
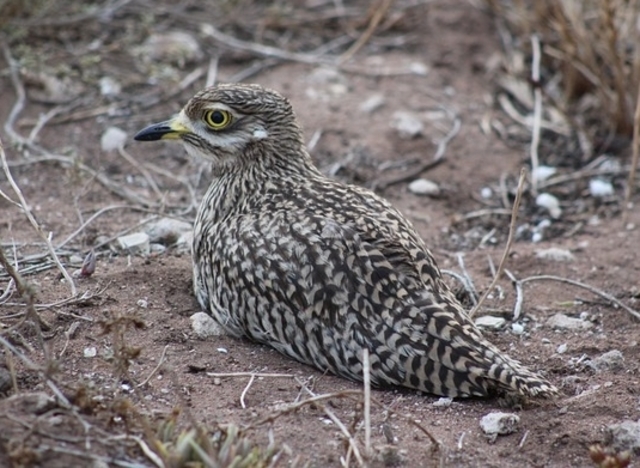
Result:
x=217 y=117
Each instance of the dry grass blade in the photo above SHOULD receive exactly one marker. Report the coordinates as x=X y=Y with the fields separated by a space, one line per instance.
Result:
x=537 y=113
x=634 y=160
x=376 y=18
x=595 y=291
x=25 y=208
x=507 y=248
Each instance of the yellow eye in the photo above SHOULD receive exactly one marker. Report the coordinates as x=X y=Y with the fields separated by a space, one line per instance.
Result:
x=217 y=119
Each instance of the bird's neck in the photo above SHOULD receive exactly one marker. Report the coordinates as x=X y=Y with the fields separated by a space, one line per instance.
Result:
x=242 y=188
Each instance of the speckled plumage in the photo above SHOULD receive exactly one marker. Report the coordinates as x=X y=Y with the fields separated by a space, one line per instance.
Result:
x=320 y=270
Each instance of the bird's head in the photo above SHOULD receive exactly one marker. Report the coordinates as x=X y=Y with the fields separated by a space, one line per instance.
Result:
x=234 y=124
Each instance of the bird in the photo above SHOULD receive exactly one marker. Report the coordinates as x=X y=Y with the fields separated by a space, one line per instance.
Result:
x=320 y=270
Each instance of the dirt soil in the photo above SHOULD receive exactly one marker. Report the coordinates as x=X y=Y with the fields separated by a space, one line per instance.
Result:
x=141 y=304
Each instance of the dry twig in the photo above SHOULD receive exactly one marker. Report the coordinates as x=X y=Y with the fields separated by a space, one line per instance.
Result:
x=507 y=248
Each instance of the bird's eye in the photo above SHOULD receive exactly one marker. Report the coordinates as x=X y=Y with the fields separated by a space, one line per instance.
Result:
x=217 y=119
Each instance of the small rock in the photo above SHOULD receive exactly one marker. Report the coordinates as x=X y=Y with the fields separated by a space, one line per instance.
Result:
x=624 y=436
x=424 y=187
x=112 y=139
x=136 y=243
x=6 y=382
x=543 y=172
x=556 y=254
x=223 y=350
x=498 y=423
x=486 y=193
x=489 y=321
x=184 y=242
x=167 y=231
x=612 y=360
x=372 y=103
x=550 y=203
x=407 y=124
x=418 y=68
x=175 y=47
x=562 y=348
x=565 y=322
x=204 y=326
x=143 y=303
x=157 y=249
x=517 y=328
x=600 y=188
x=109 y=86
x=90 y=352
x=443 y=402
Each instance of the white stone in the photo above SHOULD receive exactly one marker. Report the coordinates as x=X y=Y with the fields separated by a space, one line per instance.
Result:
x=204 y=326
x=543 y=172
x=600 y=188
x=624 y=436
x=176 y=47
x=407 y=124
x=443 y=402
x=489 y=321
x=565 y=322
x=498 y=423
x=419 y=68
x=372 y=103
x=517 y=328
x=562 y=348
x=167 y=231
x=550 y=203
x=90 y=352
x=556 y=254
x=486 y=192
x=136 y=243
x=109 y=86
x=424 y=187
x=112 y=139
x=611 y=360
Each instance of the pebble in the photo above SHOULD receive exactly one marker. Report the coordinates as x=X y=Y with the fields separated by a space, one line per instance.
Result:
x=136 y=243
x=498 y=423
x=184 y=242
x=90 y=352
x=424 y=187
x=5 y=380
x=562 y=348
x=490 y=321
x=407 y=124
x=543 y=172
x=486 y=193
x=555 y=254
x=600 y=188
x=565 y=322
x=611 y=360
x=517 y=328
x=624 y=436
x=443 y=402
x=372 y=103
x=109 y=86
x=175 y=47
x=204 y=326
x=112 y=139
x=166 y=231
x=550 y=203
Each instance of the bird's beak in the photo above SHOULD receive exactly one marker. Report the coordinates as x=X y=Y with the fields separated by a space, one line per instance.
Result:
x=169 y=130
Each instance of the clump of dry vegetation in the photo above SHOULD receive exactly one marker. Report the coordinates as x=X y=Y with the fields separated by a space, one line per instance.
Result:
x=590 y=59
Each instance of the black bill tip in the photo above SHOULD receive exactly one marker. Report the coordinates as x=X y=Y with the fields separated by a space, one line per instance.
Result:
x=155 y=132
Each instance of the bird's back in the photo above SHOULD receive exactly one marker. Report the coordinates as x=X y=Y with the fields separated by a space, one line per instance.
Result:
x=320 y=271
